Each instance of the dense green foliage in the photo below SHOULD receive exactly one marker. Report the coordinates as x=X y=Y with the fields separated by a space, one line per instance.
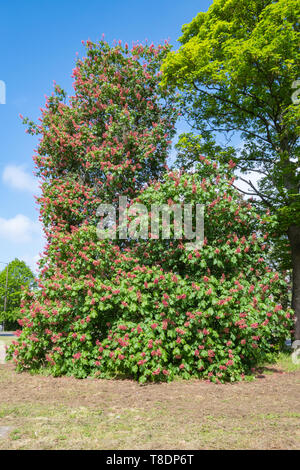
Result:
x=158 y=309
x=19 y=276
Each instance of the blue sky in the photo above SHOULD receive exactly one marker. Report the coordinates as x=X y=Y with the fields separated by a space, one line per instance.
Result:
x=38 y=44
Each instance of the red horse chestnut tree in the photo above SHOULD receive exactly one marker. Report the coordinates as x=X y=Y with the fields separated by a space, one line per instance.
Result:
x=149 y=308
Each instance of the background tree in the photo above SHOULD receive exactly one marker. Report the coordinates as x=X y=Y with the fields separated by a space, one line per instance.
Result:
x=236 y=69
x=19 y=275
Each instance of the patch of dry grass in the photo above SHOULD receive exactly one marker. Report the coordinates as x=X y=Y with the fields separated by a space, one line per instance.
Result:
x=64 y=413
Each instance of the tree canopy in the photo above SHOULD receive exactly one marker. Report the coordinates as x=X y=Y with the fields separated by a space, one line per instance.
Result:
x=19 y=275
x=236 y=69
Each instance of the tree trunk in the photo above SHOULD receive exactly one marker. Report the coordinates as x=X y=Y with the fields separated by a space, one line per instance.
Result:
x=294 y=238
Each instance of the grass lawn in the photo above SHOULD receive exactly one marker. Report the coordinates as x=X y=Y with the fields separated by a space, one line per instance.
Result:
x=7 y=339
x=64 y=413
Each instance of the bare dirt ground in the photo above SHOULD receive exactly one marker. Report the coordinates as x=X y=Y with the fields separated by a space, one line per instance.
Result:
x=43 y=412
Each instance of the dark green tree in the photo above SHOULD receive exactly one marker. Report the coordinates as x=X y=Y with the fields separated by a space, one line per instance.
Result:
x=19 y=274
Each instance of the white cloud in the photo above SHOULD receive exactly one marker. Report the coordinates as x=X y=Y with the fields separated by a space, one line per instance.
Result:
x=17 y=177
x=19 y=229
